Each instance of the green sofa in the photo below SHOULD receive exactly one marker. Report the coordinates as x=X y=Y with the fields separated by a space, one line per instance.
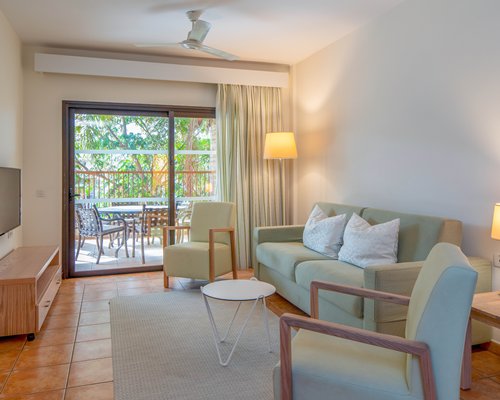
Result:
x=281 y=259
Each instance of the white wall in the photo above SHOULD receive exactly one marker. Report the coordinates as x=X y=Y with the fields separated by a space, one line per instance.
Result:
x=10 y=114
x=43 y=96
x=404 y=114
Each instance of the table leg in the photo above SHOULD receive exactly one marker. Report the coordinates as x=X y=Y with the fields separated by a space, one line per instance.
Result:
x=230 y=325
x=266 y=323
x=133 y=238
x=216 y=332
x=466 y=378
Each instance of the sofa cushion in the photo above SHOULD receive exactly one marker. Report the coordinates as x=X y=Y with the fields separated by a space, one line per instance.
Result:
x=284 y=257
x=323 y=233
x=366 y=244
x=337 y=272
x=417 y=233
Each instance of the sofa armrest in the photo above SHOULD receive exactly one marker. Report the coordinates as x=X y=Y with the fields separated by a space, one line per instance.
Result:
x=396 y=278
x=288 y=233
x=393 y=278
x=400 y=278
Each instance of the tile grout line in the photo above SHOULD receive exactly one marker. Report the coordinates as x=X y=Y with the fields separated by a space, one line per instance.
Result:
x=13 y=366
x=74 y=345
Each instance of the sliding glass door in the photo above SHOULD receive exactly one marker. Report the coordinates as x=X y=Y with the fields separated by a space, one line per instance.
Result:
x=130 y=170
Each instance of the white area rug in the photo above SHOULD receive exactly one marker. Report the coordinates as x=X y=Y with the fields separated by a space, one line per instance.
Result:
x=163 y=349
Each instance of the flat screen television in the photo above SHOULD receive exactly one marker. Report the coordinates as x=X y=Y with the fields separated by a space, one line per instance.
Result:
x=10 y=199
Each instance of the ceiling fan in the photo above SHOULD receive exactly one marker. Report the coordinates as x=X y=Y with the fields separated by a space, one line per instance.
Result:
x=195 y=38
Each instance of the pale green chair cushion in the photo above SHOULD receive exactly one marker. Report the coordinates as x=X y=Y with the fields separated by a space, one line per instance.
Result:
x=327 y=367
x=207 y=215
x=190 y=260
x=283 y=257
x=333 y=271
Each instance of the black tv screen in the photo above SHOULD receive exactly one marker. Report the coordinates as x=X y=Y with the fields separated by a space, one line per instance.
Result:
x=10 y=199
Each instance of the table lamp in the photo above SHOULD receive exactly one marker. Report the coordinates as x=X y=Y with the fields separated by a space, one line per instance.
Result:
x=495 y=225
x=280 y=146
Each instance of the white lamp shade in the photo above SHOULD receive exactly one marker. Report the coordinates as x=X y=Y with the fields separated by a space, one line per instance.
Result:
x=495 y=225
x=280 y=145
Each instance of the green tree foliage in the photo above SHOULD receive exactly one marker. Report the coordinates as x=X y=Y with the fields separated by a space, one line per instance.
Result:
x=111 y=175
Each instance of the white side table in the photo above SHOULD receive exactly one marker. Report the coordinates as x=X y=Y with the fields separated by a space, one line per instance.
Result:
x=237 y=290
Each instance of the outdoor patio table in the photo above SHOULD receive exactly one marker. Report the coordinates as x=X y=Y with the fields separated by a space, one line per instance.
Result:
x=127 y=209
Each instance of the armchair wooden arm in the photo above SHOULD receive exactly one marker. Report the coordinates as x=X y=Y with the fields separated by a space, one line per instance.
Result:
x=167 y=229
x=355 y=291
x=287 y=321
x=211 y=251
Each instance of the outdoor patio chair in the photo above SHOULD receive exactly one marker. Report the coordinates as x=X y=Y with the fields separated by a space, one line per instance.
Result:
x=153 y=219
x=183 y=218
x=91 y=224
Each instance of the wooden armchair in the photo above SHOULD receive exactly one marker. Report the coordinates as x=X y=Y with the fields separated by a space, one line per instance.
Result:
x=336 y=361
x=211 y=249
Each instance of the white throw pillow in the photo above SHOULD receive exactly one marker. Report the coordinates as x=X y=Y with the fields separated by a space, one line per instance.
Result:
x=324 y=234
x=366 y=245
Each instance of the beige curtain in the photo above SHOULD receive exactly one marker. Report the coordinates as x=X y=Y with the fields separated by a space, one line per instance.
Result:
x=244 y=115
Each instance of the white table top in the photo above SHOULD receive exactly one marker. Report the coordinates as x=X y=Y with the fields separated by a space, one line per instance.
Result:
x=238 y=289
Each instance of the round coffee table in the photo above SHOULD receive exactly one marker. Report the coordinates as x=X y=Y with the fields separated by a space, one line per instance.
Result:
x=239 y=290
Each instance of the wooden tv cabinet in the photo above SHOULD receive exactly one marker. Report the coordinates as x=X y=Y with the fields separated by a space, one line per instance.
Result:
x=29 y=280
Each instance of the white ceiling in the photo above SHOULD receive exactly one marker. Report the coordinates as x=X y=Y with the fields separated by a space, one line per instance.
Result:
x=274 y=31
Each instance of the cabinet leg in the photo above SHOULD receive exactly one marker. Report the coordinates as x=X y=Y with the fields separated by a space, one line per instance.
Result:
x=31 y=337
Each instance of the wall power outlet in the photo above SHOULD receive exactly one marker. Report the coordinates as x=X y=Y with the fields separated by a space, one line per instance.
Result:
x=496 y=260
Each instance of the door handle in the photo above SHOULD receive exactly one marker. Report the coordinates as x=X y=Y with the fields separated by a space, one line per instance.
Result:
x=72 y=195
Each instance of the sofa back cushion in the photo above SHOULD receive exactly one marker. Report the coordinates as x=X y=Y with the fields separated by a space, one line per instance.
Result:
x=417 y=233
x=332 y=209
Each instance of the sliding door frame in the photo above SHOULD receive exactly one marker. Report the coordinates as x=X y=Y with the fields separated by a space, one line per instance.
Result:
x=69 y=109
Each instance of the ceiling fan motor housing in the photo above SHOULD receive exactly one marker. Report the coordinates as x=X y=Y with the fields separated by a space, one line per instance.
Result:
x=193 y=15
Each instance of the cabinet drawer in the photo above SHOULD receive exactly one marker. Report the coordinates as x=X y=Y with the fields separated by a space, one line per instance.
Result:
x=43 y=306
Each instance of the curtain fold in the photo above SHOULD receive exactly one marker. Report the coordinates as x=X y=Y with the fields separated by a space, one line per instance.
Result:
x=244 y=115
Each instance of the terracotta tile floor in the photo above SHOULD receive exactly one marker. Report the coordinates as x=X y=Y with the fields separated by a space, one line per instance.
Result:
x=70 y=359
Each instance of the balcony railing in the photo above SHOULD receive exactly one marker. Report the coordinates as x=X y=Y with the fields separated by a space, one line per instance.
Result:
x=105 y=187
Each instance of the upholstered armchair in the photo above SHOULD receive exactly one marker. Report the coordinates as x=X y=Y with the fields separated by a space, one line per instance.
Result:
x=332 y=361
x=210 y=251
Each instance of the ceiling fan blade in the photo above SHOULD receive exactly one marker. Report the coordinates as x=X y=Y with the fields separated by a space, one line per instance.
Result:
x=218 y=53
x=156 y=44
x=199 y=31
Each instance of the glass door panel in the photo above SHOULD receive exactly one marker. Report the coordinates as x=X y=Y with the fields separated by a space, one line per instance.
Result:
x=195 y=165
x=121 y=164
